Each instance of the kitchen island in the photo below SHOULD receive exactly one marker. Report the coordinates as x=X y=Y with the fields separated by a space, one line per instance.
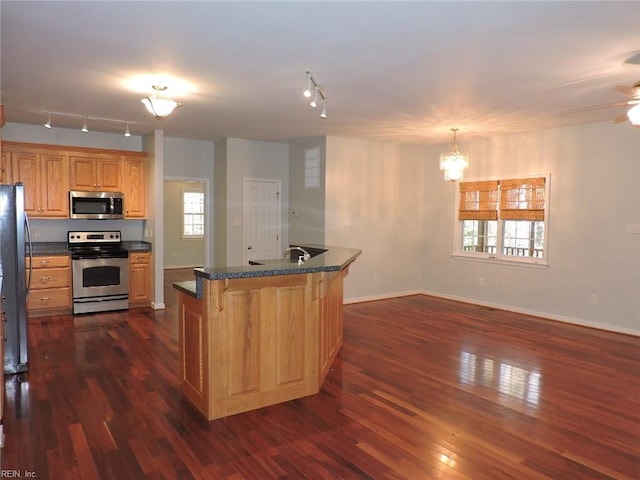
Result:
x=261 y=334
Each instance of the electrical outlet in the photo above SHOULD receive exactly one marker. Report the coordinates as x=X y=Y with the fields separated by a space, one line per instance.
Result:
x=481 y=281
x=594 y=299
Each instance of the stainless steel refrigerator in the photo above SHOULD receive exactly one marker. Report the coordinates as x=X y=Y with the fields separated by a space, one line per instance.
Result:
x=14 y=235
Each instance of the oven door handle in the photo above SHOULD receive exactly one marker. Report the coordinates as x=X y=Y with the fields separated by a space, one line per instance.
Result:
x=93 y=256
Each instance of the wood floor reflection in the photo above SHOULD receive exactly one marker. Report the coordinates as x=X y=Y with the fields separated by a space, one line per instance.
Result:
x=423 y=388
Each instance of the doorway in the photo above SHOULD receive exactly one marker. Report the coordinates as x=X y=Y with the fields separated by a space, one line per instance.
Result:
x=261 y=211
x=184 y=242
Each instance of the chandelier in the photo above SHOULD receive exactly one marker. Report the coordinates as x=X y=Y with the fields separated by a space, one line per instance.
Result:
x=454 y=162
x=159 y=104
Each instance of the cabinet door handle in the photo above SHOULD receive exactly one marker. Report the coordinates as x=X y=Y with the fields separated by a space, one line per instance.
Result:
x=45 y=299
x=45 y=279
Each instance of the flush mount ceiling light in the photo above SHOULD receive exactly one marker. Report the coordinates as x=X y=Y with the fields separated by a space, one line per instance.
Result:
x=454 y=162
x=159 y=104
x=313 y=86
x=86 y=118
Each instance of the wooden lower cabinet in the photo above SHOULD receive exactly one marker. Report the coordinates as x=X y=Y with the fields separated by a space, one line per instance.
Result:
x=253 y=342
x=50 y=292
x=139 y=279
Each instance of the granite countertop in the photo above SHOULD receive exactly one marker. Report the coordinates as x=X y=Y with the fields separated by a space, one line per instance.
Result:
x=60 y=248
x=330 y=260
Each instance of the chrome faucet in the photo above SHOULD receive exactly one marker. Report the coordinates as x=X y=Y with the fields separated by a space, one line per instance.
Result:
x=302 y=258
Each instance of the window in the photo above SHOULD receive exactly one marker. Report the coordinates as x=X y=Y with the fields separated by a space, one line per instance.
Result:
x=192 y=214
x=503 y=219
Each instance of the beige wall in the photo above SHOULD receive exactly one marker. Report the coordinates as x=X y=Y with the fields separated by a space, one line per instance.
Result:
x=392 y=202
x=375 y=202
x=594 y=195
x=179 y=252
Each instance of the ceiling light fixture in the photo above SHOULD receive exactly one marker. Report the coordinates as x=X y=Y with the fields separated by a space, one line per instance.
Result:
x=319 y=93
x=314 y=102
x=159 y=104
x=454 y=162
x=307 y=92
x=634 y=115
x=85 y=118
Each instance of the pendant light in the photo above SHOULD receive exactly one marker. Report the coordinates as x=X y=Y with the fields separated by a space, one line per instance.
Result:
x=454 y=162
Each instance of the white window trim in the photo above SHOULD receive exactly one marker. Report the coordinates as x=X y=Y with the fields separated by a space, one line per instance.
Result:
x=498 y=258
x=182 y=235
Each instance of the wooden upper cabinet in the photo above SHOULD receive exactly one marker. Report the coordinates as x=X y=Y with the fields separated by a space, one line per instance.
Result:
x=5 y=168
x=46 y=182
x=95 y=173
x=48 y=172
x=134 y=187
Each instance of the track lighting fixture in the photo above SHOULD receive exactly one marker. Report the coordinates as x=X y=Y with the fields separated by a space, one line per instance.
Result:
x=318 y=93
x=159 y=104
x=85 y=119
x=314 y=102
x=307 y=92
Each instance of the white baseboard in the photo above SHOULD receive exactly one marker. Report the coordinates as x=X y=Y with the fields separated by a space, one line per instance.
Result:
x=382 y=296
x=509 y=308
x=158 y=305
x=536 y=313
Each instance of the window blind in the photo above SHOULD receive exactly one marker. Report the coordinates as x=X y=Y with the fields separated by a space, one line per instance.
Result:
x=522 y=199
x=478 y=200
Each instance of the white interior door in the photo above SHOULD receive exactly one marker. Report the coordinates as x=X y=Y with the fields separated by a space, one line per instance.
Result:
x=262 y=219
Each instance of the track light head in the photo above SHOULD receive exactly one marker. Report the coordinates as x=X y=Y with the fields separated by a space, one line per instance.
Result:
x=48 y=124
x=127 y=133
x=314 y=102
x=324 y=109
x=307 y=92
x=84 y=128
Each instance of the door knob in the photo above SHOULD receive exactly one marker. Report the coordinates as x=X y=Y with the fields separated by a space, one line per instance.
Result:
x=249 y=247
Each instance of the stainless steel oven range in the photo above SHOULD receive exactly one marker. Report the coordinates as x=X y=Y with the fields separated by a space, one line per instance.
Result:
x=100 y=271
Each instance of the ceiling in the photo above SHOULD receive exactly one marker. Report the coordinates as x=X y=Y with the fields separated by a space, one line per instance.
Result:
x=403 y=72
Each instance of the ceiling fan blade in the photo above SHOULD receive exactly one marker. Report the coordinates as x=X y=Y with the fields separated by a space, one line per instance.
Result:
x=633 y=59
x=621 y=118
x=624 y=89
x=593 y=108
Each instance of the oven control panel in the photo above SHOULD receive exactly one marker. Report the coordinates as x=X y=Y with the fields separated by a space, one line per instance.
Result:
x=93 y=237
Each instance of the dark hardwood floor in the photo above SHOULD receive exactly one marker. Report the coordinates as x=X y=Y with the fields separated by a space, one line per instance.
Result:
x=423 y=388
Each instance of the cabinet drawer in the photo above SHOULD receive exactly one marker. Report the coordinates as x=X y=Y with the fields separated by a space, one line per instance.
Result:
x=50 y=261
x=48 y=299
x=50 y=278
x=136 y=258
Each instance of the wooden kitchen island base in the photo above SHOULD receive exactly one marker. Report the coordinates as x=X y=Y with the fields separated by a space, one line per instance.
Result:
x=251 y=342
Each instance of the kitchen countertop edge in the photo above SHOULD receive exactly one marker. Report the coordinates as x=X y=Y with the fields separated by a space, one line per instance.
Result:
x=332 y=260
x=40 y=249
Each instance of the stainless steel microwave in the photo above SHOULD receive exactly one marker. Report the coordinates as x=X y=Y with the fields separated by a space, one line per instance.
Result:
x=96 y=205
